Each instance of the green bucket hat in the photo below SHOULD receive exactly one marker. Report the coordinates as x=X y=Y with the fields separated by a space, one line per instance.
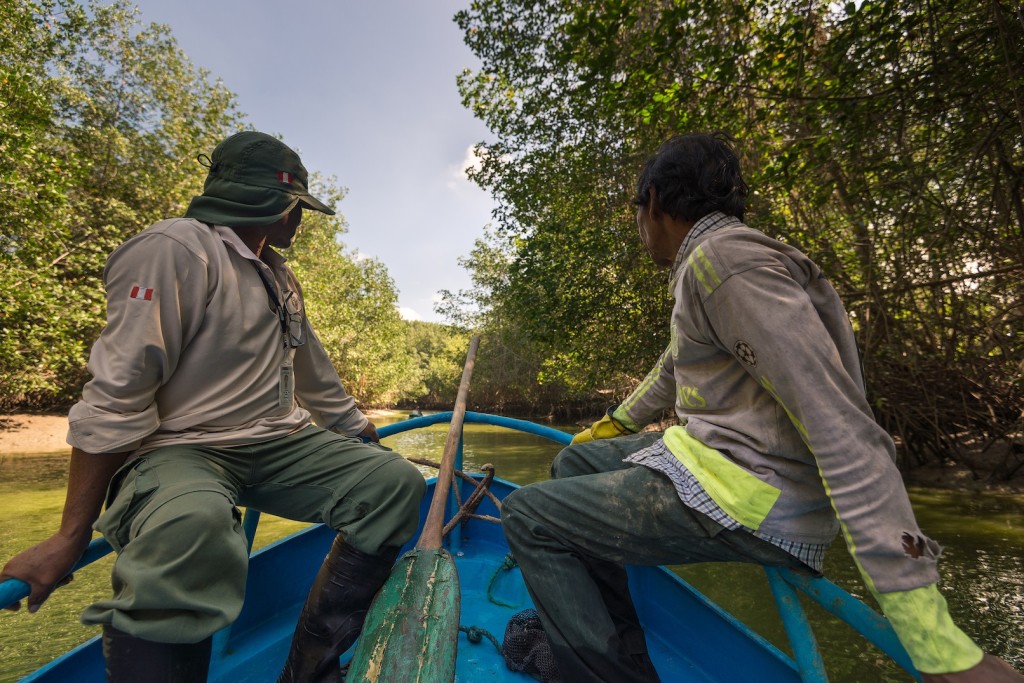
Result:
x=254 y=179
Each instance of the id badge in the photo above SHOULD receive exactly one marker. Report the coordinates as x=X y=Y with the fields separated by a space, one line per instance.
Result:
x=287 y=385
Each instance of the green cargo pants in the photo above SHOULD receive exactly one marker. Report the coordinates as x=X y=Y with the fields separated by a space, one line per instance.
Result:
x=572 y=535
x=182 y=558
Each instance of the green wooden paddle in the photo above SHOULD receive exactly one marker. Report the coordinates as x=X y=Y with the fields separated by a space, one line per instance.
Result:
x=412 y=628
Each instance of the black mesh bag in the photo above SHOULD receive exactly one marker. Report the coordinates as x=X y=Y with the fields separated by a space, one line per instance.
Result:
x=526 y=648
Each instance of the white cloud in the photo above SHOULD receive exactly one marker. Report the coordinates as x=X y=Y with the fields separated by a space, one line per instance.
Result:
x=458 y=173
x=408 y=314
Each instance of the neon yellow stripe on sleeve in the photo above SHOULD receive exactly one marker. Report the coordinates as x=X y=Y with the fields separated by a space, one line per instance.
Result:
x=920 y=616
x=700 y=275
x=649 y=380
x=770 y=388
x=706 y=262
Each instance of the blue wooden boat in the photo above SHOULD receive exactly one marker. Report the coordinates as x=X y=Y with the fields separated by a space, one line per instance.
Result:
x=690 y=637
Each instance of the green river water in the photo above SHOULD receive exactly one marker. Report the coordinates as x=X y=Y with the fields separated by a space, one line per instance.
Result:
x=982 y=566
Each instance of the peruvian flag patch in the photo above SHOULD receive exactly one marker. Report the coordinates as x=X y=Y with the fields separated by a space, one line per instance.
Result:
x=144 y=293
x=284 y=176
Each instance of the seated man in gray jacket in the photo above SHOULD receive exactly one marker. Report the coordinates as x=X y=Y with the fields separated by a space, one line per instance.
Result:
x=210 y=390
x=776 y=451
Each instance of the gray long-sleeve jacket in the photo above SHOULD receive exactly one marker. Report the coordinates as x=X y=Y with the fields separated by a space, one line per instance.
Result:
x=764 y=373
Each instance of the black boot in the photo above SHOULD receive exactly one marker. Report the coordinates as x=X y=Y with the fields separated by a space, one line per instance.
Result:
x=334 y=612
x=613 y=583
x=130 y=659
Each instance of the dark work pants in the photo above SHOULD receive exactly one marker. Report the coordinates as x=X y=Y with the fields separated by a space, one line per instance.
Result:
x=572 y=535
x=182 y=557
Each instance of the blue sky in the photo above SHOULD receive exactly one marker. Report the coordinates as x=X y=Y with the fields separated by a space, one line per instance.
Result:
x=364 y=91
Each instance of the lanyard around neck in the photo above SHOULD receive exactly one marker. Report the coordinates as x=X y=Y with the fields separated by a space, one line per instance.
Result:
x=282 y=314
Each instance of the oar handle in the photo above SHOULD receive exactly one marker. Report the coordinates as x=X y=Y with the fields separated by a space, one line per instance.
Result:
x=430 y=537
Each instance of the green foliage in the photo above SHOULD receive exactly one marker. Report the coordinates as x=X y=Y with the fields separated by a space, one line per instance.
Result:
x=100 y=122
x=352 y=304
x=441 y=353
x=510 y=374
x=885 y=139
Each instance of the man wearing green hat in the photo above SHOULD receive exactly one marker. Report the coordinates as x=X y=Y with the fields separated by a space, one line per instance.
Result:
x=210 y=390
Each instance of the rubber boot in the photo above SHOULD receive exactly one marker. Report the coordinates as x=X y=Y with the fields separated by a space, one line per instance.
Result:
x=131 y=660
x=613 y=583
x=334 y=612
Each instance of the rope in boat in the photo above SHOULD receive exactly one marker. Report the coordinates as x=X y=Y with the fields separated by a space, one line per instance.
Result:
x=475 y=634
x=467 y=510
x=508 y=564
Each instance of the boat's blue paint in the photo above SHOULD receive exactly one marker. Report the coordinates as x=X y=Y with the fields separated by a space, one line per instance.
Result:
x=13 y=590
x=691 y=638
x=476 y=418
x=808 y=659
x=679 y=619
x=871 y=625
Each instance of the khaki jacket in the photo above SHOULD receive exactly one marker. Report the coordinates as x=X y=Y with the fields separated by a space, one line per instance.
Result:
x=193 y=349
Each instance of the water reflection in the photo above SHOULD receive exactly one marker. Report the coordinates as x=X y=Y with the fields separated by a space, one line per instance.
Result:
x=38 y=471
x=517 y=457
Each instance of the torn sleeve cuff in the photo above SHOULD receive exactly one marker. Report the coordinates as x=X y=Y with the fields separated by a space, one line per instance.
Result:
x=921 y=619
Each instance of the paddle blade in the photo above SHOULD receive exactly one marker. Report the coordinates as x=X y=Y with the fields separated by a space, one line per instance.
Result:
x=412 y=627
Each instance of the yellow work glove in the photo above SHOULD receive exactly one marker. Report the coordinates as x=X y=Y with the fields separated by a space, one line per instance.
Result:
x=608 y=427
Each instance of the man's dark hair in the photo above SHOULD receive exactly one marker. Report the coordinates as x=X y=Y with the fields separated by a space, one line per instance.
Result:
x=694 y=175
